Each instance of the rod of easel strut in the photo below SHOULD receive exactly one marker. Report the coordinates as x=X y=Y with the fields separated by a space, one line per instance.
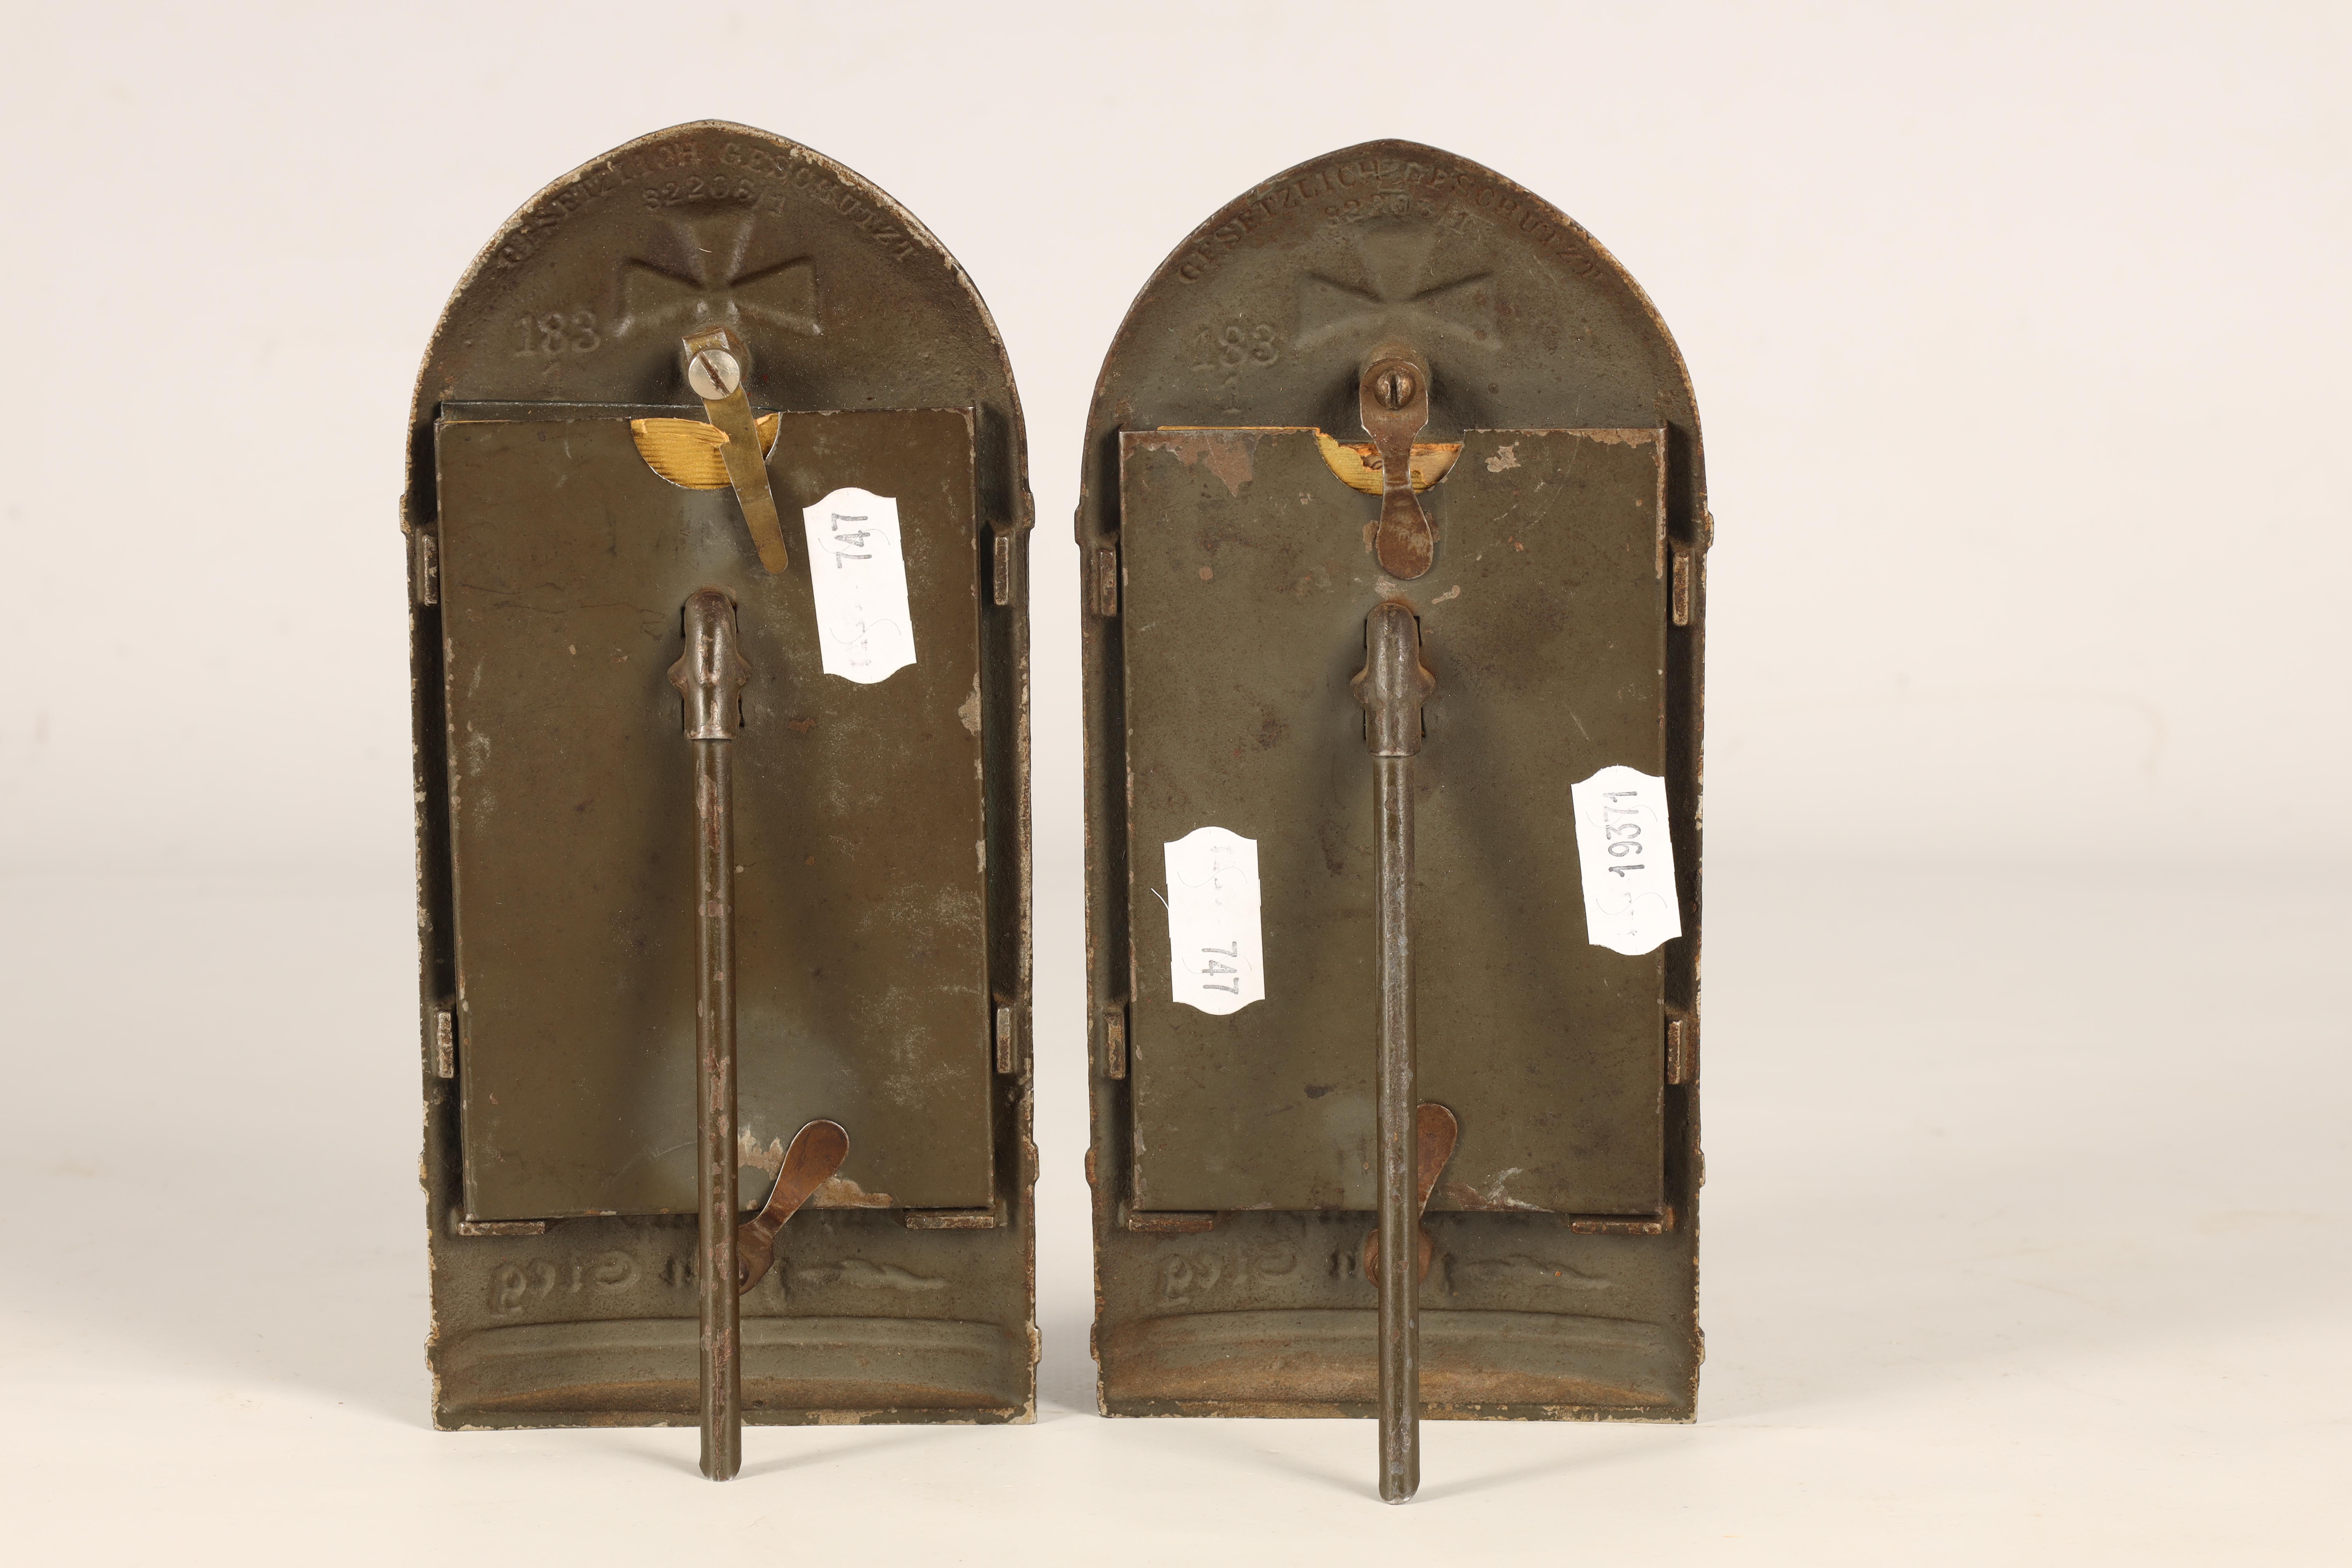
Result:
x=1393 y=687
x=710 y=676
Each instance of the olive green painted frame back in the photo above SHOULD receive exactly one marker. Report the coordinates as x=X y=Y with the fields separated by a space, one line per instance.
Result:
x=547 y=1309
x=1225 y=587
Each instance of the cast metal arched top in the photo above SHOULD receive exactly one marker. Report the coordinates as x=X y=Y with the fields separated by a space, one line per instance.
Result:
x=846 y=301
x=1267 y=311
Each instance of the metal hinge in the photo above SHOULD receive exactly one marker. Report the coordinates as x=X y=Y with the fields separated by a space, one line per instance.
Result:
x=1688 y=561
x=1102 y=585
x=424 y=567
x=1004 y=589
x=445 y=1040
x=1113 y=1025
x=1008 y=1041
x=1682 y=1045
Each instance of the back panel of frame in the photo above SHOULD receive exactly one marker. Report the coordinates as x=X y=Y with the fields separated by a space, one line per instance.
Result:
x=860 y=930
x=1247 y=576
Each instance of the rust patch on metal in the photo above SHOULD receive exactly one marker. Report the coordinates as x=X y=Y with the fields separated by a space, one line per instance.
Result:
x=1357 y=464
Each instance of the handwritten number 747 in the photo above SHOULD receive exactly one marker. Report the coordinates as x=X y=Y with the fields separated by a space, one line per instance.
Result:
x=856 y=538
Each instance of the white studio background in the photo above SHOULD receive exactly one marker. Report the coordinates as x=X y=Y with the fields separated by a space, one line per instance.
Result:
x=2019 y=332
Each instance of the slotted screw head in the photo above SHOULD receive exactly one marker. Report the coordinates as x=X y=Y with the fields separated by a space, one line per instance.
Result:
x=713 y=372
x=1394 y=388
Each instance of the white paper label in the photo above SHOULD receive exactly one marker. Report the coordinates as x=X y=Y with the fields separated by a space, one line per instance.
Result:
x=1628 y=860
x=864 y=630
x=1216 y=960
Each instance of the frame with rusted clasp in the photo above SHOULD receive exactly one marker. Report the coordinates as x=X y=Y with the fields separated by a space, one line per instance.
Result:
x=686 y=893
x=1390 y=458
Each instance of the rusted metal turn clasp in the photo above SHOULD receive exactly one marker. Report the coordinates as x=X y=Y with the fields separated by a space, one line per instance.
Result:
x=1395 y=398
x=710 y=676
x=816 y=1153
x=717 y=364
x=1436 y=1132
x=1392 y=686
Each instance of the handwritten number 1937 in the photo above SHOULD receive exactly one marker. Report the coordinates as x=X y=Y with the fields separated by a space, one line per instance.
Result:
x=1211 y=970
x=1625 y=837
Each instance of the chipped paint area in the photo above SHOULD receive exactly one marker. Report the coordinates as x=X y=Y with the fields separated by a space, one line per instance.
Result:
x=1505 y=456
x=841 y=1192
x=970 y=711
x=1230 y=455
x=748 y=1152
x=1518 y=1265
x=1492 y=1199
x=1453 y=593
x=868 y=1276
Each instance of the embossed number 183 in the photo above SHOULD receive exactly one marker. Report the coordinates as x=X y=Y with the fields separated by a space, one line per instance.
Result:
x=558 y=332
